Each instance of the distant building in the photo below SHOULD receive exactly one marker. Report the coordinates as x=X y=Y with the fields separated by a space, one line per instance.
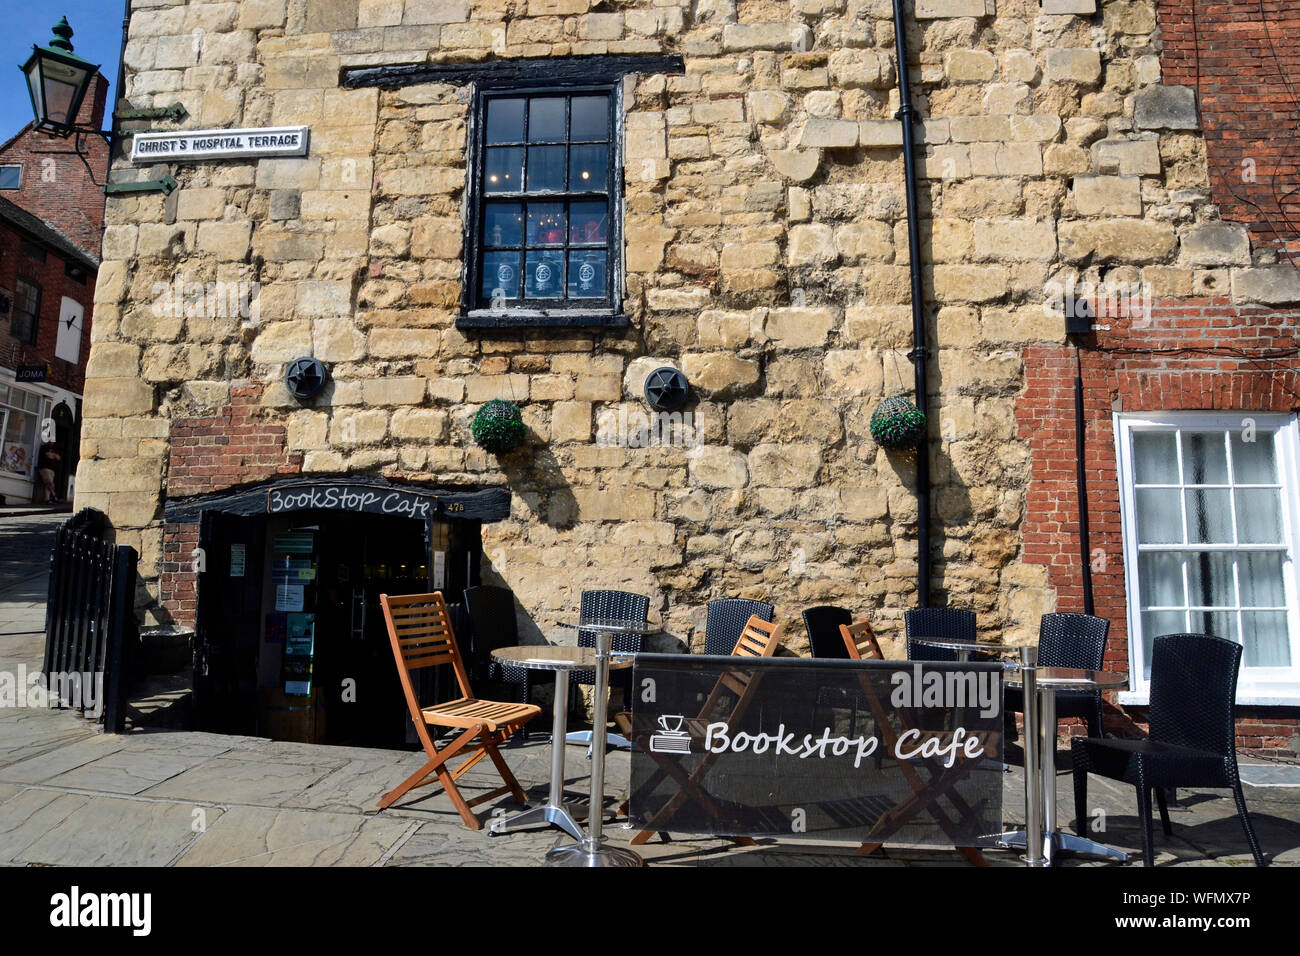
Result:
x=51 y=221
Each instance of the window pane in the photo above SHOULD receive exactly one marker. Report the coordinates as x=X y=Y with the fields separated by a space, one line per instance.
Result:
x=1161 y=579
x=505 y=170
x=1259 y=516
x=1159 y=517
x=589 y=118
x=1209 y=517
x=505 y=121
x=587 y=165
x=11 y=176
x=1219 y=623
x=544 y=275
x=1264 y=634
x=1253 y=462
x=503 y=224
x=545 y=168
x=545 y=223
x=587 y=275
x=1260 y=578
x=1205 y=459
x=501 y=275
x=1209 y=580
x=1155 y=458
x=1155 y=623
x=546 y=120
x=587 y=223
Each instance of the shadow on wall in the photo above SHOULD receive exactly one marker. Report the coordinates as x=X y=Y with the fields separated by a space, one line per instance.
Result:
x=534 y=475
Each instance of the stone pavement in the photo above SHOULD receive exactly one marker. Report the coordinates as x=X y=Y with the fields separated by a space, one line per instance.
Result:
x=72 y=796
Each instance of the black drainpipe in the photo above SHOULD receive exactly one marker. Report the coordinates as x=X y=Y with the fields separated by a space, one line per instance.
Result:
x=120 y=91
x=917 y=355
x=1081 y=484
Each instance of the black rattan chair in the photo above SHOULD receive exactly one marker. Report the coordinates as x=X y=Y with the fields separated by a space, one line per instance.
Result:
x=1191 y=743
x=823 y=626
x=610 y=606
x=492 y=624
x=726 y=622
x=1070 y=640
x=946 y=623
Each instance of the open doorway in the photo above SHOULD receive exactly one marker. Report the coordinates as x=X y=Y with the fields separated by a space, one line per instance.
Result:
x=291 y=637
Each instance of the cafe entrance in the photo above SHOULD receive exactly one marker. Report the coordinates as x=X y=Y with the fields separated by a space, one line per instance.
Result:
x=290 y=639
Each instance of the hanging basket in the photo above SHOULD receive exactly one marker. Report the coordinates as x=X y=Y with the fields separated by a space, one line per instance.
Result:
x=897 y=423
x=499 y=427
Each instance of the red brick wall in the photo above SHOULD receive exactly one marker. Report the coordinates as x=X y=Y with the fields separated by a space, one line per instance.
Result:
x=234 y=447
x=56 y=186
x=49 y=275
x=1245 y=67
x=1123 y=373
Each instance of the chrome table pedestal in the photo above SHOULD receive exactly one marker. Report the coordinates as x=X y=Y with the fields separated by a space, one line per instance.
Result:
x=561 y=659
x=592 y=850
x=1041 y=840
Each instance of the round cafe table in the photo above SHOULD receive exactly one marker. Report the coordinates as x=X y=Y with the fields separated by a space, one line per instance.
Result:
x=561 y=659
x=1040 y=685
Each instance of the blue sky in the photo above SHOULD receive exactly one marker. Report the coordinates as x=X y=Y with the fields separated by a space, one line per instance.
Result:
x=97 y=36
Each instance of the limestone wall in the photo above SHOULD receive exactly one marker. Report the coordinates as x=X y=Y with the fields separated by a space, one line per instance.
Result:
x=766 y=255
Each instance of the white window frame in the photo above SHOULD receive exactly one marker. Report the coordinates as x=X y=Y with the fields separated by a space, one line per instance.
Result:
x=1255 y=686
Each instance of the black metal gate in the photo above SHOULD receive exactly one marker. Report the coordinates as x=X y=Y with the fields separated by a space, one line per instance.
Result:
x=89 y=620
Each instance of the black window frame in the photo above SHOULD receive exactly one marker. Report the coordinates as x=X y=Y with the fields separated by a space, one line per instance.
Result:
x=17 y=166
x=30 y=338
x=523 y=312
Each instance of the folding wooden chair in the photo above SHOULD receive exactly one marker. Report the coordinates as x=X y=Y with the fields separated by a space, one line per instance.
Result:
x=758 y=639
x=420 y=631
x=862 y=645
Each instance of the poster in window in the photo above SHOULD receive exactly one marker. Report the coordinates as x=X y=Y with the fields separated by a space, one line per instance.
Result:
x=14 y=458
x=299 y=641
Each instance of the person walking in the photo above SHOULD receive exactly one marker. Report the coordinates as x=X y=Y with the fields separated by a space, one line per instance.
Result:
x=46 y=464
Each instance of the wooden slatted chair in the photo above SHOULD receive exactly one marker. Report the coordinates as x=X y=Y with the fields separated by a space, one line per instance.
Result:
x=421 y=635
x=860 y=641
x=759 y=638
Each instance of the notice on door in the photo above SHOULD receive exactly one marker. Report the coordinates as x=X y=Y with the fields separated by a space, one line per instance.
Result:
x=237 y=558
x=288 y=597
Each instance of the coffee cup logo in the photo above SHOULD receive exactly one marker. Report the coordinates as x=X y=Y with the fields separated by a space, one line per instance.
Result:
x=672 y=739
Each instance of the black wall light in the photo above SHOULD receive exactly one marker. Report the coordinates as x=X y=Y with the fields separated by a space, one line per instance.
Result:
x=305 y=377
x=666 y=389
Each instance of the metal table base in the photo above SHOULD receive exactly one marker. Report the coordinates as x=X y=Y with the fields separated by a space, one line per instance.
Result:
x=555 y=810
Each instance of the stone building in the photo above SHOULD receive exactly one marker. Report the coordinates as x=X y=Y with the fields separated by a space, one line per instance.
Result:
x=545 y=200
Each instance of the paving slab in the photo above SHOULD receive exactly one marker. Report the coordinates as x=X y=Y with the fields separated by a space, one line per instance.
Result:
x=31 y=815
x=230 y=780
x=127 y=772
x=114 y=831
x=29 y=732
x=256 y=836
x=61 y=759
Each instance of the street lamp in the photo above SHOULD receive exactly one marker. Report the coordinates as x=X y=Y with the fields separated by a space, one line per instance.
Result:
x=57 y=80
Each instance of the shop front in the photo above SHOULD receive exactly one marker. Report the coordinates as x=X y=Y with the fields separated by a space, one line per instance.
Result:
x=32 y=413
x=290 y=640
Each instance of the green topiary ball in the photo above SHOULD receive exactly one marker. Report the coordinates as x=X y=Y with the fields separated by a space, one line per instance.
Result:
x=897 y=423
x=499 y=426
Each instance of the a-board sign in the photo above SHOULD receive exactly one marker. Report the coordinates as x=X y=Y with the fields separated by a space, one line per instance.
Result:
x=890 y=752
x=197 y=146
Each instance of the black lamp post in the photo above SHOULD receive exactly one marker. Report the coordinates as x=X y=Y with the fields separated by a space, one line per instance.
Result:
x=57 y=81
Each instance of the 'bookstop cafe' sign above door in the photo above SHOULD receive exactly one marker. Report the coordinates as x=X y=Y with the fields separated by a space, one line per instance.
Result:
x=206 y=144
